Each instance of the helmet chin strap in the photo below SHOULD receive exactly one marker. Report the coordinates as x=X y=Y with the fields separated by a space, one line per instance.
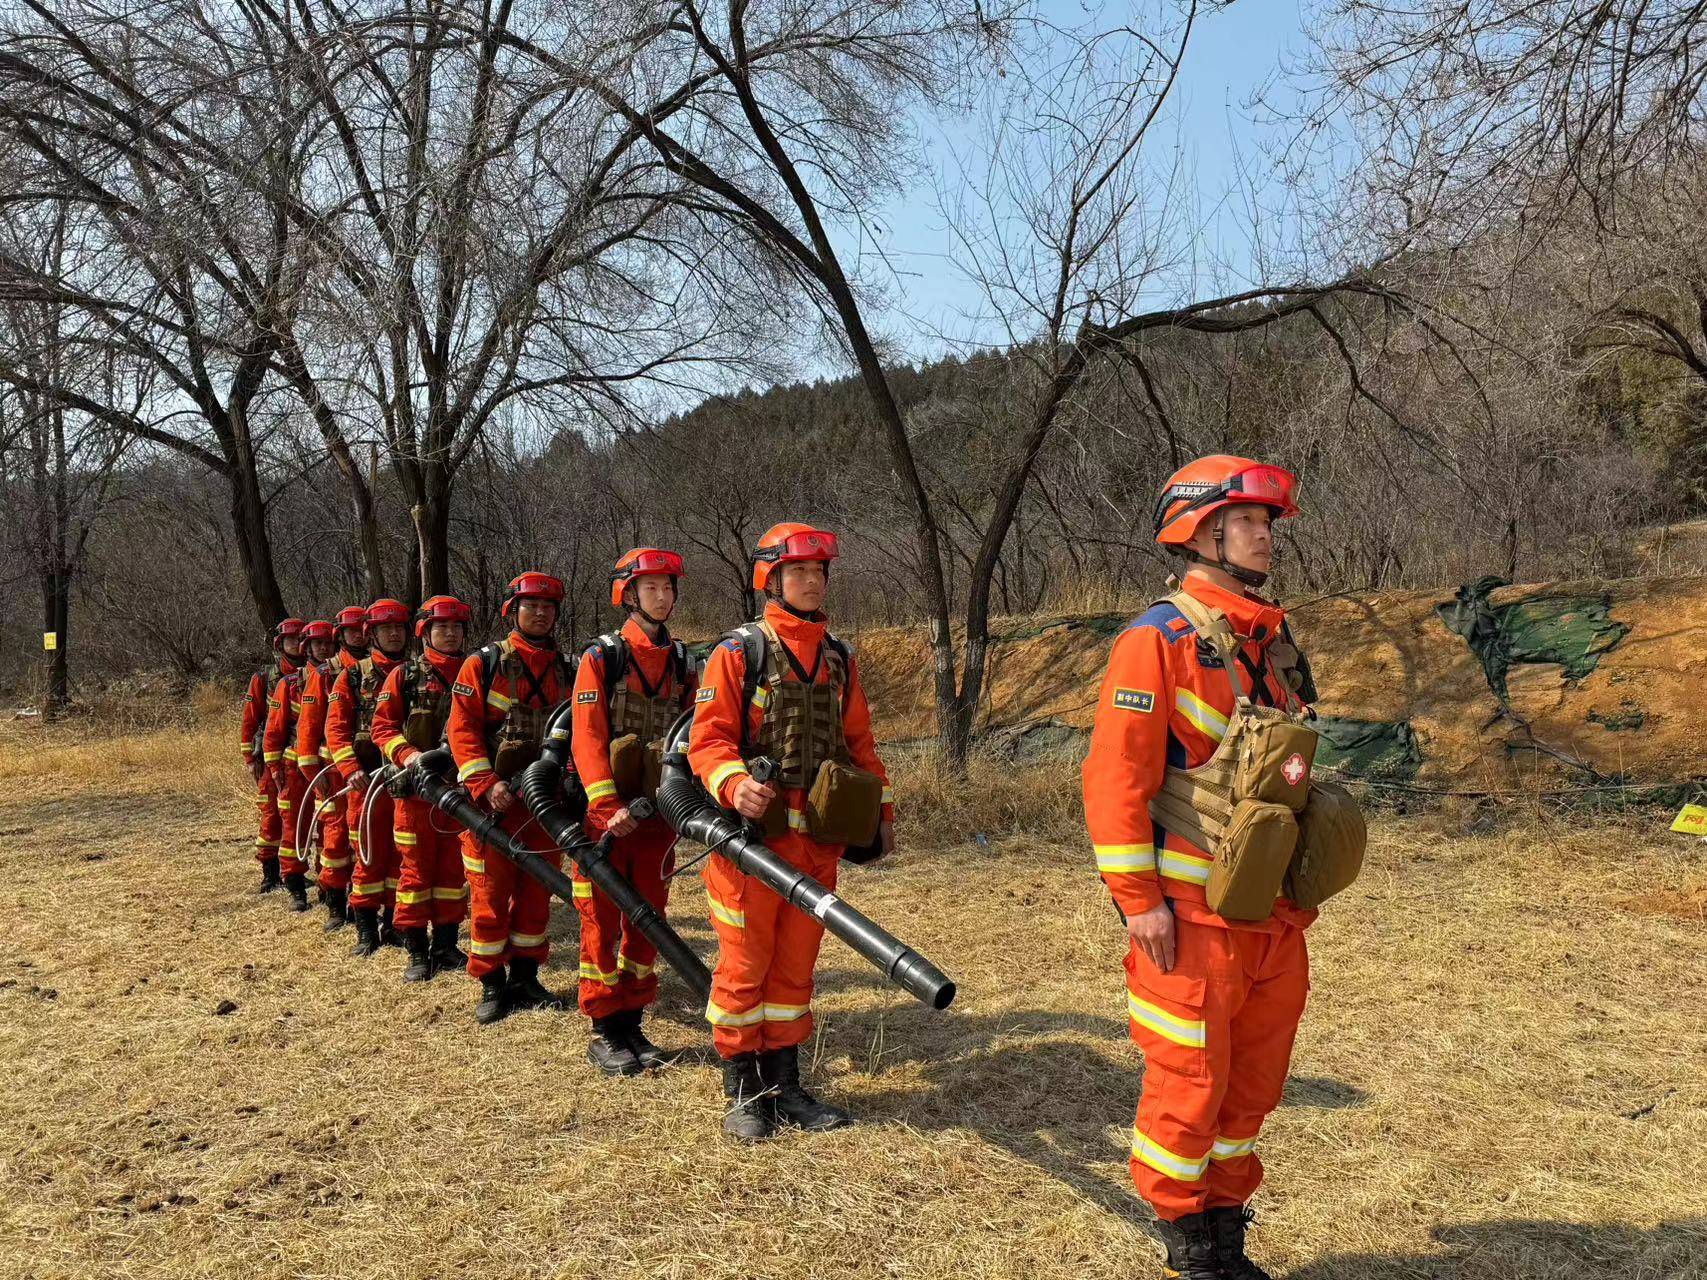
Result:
x=1250 y=577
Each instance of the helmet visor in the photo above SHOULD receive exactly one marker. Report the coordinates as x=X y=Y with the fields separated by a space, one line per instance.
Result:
x=808 y=544
x=654 y=562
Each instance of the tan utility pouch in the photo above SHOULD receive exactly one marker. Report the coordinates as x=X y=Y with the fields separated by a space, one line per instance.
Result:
x=1274 y=762
x=844 y=805
x=367 y=755
x=423 y=728
x=654 y=770
x=628 y=766
x=1251 y=861
x=1332 y=837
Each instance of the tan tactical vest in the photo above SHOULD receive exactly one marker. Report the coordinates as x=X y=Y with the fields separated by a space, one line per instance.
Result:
x=424 y=713
x=1251 y=760
x=367 y=682
x=801 y=725
x=631 y=709
x=515 y=741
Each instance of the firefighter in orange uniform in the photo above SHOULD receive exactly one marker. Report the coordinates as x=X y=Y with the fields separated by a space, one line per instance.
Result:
x=499 y=706
x=410 y=717
x=278 y=740
x=761 y=684
x=287 y=655
x=629 y=688
x=349 y=721
x=314 y=761
x=1214 y=1003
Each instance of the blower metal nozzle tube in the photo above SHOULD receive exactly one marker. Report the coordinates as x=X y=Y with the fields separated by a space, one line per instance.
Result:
x=540 y=791
x=692 y=813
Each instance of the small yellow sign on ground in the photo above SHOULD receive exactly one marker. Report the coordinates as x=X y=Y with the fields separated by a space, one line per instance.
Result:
x=50 y=639
x=1691 y=820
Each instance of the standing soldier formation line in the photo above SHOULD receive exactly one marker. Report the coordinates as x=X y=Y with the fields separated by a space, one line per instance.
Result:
x=1209 y=833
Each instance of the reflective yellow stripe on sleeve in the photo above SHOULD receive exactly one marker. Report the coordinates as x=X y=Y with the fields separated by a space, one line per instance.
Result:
x=599 y=790
x=1117 y=859
x=341 y=754
x=478 y=765
x=722 y=774
x=1200 y=713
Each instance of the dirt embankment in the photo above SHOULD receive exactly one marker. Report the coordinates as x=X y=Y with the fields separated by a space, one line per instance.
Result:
x=1493 y=686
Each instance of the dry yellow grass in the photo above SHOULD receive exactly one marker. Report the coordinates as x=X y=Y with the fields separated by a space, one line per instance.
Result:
x=1501 y=1074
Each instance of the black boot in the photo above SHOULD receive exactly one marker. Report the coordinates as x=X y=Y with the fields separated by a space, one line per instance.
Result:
x=337 y=910
x=492 y=1004
x=388 y=935
x=1191 y=1249
x=609 y=1050
x=367 y=931
x=270 y=876
x=1227 y=1231
x=296 y=884
x=525 y=991
x=446 y=954
x=650 y=1055
x=420 y=966
x=781 y=1072
x=750 y=1117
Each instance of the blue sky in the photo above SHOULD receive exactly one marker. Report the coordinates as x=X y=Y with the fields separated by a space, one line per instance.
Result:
x=1232 y=54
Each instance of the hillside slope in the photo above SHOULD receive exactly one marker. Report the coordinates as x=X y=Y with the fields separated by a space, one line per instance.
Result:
x=1541 y=678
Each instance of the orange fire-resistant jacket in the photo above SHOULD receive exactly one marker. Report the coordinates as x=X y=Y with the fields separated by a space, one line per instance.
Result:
x=592 y=736
x=343 y=712
x=1165 y=699
x=473 y=714
x=714 y=747
x=389 y=715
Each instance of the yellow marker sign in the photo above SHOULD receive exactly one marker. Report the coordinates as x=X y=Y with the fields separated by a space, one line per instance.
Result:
x=1691 y=820
x=50 y=639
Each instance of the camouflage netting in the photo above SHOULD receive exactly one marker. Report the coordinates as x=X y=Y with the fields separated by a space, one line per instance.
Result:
x=1368 y=748
x=1572 y=631
x=1501 y=687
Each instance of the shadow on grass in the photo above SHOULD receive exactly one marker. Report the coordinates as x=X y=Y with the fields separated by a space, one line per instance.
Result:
x=1526 y=1249
x=1055 y=1089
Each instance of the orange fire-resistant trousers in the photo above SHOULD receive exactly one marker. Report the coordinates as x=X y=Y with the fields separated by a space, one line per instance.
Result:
x=290 y=803
x=510 y=910
x=430 y=884
x=619 y=968
x=1217 y=1034
x=334 y=828
x=268 y=823
x=373 y=884
x=761 y=989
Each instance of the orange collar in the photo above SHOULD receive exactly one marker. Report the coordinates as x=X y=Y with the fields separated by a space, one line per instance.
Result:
x=801 y=633
x=638 y=641
x=530 y=649
x=1250 y=616
x=444 y=665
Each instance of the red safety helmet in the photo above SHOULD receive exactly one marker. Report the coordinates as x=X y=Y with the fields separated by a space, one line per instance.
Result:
x=319 y=629
x=787 y=542
x=1201 y=488
x=531 y=585
x=440 y=609
x=289 y=627
x=638 y=563
x=387 y=610
x=352 y=615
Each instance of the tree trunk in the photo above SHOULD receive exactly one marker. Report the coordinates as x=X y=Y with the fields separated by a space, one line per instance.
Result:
x=56 y=617
x=432 y=531
x=254 y=549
